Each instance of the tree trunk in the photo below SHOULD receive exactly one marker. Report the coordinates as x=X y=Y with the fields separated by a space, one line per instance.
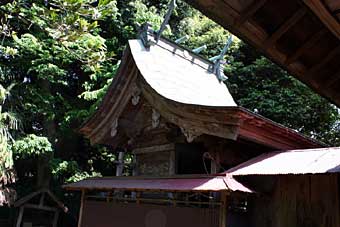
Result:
x=43 y=169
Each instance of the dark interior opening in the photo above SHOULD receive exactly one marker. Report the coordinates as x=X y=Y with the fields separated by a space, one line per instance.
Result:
x=189 y=159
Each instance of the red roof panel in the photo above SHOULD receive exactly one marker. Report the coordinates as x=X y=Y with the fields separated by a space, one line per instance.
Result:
x=200 y=183
x=305 y=161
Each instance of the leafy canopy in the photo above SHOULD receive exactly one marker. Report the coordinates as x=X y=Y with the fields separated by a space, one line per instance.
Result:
x=57 y=59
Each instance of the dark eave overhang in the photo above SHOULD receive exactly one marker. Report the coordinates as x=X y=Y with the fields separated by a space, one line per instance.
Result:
x=302 y=36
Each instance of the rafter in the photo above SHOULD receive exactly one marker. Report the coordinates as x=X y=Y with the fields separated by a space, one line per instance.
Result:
x=249 y=12
x=324 y=61
x=320 y=10
x=333 y=79
x=284 y=27
x=307 y=45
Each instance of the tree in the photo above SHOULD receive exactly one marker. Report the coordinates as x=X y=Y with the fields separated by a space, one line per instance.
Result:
x=261 y=86
x=8 y=123
x=62 y=56
x=54 y=53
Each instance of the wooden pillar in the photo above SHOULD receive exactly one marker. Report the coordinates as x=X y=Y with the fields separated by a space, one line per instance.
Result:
x=82 y=200
x=172 y=163
x=120 y=165
x=213 y=167
x=55 y=219
x=42 y=198
x=134 y=165
x=223 y=209
x=21 y=213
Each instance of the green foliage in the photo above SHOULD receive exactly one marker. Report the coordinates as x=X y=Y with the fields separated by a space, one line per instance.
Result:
x=58 y=58
x=264 y=88
x=8 y=123
x=78 y=176
x=203 y=31
x=144 y=14
x=99 y=93
x=69 y=171
x=31 y=146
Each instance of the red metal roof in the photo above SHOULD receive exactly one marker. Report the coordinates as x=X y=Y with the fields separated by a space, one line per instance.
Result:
x=306 y=161
x=199 y=183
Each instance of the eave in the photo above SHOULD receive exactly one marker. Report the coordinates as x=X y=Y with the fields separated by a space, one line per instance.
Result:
x=302 y=36
x=194 y=117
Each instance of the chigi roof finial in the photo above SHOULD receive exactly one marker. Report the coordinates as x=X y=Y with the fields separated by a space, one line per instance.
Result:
x=172 y=6
x=219 y=62
x=146 y=28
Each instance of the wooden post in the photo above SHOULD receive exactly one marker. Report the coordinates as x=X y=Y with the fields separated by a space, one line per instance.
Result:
x=138 y=198
x=82 y=200
x=175 y=199
x=42 y=198
x=172 y=163
x=21 y=213
x=55 y=219
x=223 y=210
x=213 y=166
x=134 y=173
x=120 y=165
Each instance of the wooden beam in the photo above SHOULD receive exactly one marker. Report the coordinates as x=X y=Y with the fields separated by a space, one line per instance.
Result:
x=82 y=200
x=156 y=148
x=284 y=27
x=324 y=15
x=27 y=198
x=306 y=46
x=249 y=12
x=38 y=207
x=55 y=199
x=324 y=61
x=332 y=80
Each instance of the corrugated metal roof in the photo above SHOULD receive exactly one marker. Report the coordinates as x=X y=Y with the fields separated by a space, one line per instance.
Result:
x=306 y=161
x=179 y=75
x=213 y=183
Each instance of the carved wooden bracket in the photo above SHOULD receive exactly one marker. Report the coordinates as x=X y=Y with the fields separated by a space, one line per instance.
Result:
x=135 y=95
x=114 y=127
x=190 y=134
x=155 y=118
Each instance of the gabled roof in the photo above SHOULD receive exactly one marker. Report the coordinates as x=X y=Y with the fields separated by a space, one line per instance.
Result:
x=303 y=36
x=179 y=75
x=306 y=161
x=180 y=87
